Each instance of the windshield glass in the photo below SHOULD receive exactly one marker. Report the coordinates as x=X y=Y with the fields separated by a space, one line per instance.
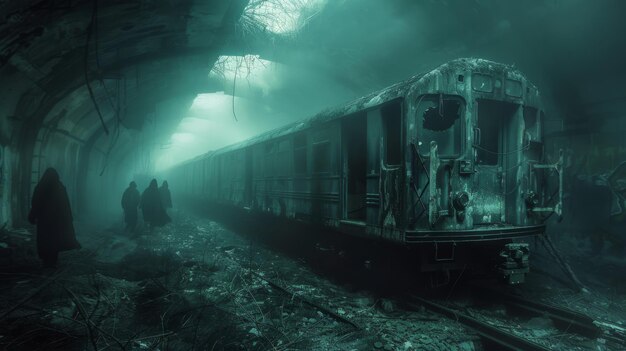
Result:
x=439 y=120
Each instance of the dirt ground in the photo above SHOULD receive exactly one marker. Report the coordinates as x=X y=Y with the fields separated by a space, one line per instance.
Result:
x=199 y=285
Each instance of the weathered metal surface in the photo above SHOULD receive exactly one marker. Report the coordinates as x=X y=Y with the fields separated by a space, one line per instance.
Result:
x=479 y=234
x=558 y=168
x=436 y=190
x=513 y=264
x=389 y=196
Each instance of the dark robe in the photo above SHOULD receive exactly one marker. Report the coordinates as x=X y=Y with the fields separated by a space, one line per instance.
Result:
x=52 y=214
x=152 y=208
x=130 y=202
x=166 y=196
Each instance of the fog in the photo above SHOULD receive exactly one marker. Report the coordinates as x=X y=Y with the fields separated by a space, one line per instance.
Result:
x=339 y=50
x=386 y=225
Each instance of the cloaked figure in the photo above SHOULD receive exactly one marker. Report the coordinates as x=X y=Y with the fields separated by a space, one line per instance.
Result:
x=130 y=203
x=52 y=214
x=166 y=196
x=151 y=206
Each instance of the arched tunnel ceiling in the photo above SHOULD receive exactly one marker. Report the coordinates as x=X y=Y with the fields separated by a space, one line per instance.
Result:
x=161 y=50
x=133 y=61
x=147 y=51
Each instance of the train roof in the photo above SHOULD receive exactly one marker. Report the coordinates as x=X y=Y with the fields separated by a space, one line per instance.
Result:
x=376 y=98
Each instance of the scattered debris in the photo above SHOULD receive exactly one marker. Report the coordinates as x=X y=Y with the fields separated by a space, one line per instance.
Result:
x=195 y=285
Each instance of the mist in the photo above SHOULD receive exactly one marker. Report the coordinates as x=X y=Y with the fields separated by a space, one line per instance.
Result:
x=346 y=49
x=313 y=175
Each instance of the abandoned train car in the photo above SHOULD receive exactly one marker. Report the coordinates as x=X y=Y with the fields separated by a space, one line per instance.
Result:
x=449 y=163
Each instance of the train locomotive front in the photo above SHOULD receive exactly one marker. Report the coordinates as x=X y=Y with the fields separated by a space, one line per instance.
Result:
x=478 y=180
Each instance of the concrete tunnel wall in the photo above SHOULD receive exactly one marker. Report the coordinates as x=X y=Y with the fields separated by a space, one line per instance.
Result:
x=150 y=60
x=94 y=167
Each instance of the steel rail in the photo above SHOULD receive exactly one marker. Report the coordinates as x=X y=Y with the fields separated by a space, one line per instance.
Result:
x=571 y=321
x=504 y=339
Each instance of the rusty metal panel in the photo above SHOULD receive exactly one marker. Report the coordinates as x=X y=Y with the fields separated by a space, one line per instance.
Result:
x=390 y=197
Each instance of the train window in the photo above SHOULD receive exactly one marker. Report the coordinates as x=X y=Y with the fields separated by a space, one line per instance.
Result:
x=270 y=147
x=530 y=121
x=440 y=118
x=259 y=164
x=281 y=162
x=513 y=88
x=493 y=117
x=482 y=82
x=237 y=163
x=283 y=146
x=321 y=157
x=270 y=156
x=299 y=154
x=321 y=135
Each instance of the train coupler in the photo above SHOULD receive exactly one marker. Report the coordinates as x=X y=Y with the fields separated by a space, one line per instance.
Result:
x=513 y=264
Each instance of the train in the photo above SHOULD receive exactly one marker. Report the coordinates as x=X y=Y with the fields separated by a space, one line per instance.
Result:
x=449 y=164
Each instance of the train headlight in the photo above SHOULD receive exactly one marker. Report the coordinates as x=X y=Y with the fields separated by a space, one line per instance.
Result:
x=460 y=201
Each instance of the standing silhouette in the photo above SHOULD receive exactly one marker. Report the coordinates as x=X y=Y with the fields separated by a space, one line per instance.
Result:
x=151 y=206
x=130 y=202
x=52 y=214
x=166 y=196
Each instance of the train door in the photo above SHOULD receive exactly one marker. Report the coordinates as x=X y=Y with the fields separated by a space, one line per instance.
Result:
x=354 y=146
x=391 y=175
x=497 y=147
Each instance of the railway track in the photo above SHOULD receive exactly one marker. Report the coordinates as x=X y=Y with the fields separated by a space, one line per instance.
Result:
x=496 y=338
x=494 y=335
x=564 y=319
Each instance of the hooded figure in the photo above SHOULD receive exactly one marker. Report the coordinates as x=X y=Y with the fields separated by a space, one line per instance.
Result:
x=52 y=214
x=166 y=197
x=130 y=202
x=151 y=206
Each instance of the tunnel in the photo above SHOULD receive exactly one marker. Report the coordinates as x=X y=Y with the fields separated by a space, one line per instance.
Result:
x=344 y=175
